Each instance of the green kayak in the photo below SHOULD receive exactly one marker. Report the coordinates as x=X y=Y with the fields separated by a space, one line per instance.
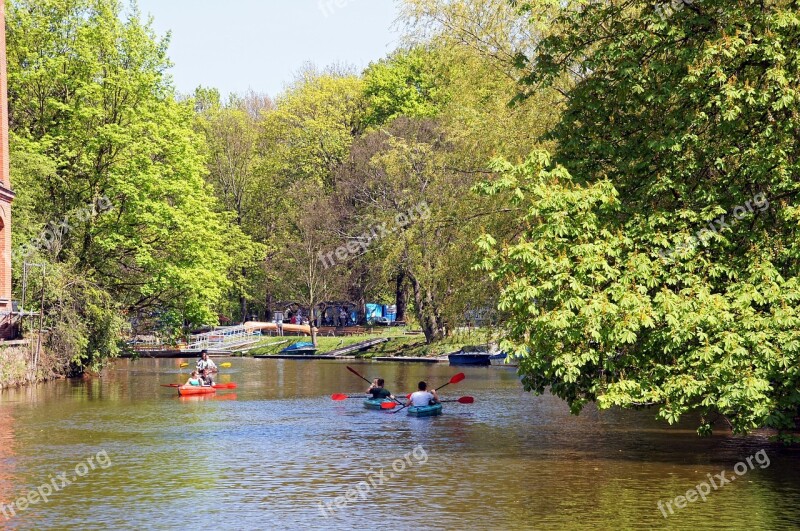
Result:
x=375 y=403
x=425 y=411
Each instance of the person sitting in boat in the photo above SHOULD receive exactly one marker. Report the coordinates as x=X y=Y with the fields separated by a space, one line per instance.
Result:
x=423 y=397
x=206 y=363
x=378 y=391
x=194 y=380
x=205 y=378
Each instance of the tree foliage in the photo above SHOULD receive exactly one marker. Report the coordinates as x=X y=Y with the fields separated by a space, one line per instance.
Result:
x=658 y=262
x=95 y=117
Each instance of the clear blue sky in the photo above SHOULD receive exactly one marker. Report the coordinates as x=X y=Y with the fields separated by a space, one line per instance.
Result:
x=235 y=45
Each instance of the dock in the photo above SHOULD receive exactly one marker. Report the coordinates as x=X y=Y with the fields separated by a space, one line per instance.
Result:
x=410 y=359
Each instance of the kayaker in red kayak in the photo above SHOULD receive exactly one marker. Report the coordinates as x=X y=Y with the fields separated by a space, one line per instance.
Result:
x=205 y=378
x=423 y=397
x=194 y=380
x=378 y=391
x=206 y=363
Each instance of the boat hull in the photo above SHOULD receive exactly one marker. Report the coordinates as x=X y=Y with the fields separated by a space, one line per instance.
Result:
x=193 y=390
x=375 y=403
x=425 y=411
x=461 y=358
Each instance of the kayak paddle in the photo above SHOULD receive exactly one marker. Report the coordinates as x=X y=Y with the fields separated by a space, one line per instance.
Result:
x=462 y=400
x=225 y=365
x=230 y=385
x=454 y=380
x=183 y=365
x=340 y=396
x=170 y=385
x=357 y=374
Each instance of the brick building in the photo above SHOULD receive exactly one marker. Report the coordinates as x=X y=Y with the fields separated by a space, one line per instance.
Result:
x=7 y=328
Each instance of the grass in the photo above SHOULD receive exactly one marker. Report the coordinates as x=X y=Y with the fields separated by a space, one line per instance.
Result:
x=400 y=344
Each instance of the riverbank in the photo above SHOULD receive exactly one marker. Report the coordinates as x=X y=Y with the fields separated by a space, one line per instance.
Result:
x=399 y=344
x=16 y=360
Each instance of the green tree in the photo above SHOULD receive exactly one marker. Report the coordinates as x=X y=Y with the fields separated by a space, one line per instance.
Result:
x=96 y=122
x=659 y=264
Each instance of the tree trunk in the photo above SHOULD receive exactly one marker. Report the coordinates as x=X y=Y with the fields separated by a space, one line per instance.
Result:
x=424 y=311
x=243 y=300
x=401 y=296
x=268 y=309
x=311 y=322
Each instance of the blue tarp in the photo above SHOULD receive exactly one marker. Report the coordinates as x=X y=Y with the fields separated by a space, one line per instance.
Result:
x=375 y=312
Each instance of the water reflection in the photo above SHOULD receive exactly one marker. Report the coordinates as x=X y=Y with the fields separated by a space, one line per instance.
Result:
x=269 y=453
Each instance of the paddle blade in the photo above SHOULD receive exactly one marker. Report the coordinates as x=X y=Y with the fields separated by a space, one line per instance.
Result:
x=457 y=378
x=388 y=405
x=170 y=385
x=225 y=386
x=184 y=364
x=225 y=365
x=338 y=396
x=232 y=385
x=466 y=400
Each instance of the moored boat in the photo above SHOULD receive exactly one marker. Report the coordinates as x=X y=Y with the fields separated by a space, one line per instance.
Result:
x=425 y=411
x=303 y=347
x=468 y=358
x=191 y=390
x=375 y=403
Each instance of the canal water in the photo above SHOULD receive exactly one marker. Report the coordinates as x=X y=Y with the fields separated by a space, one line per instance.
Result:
x=122 y=452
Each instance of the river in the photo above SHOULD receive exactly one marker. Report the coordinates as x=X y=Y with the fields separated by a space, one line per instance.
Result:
x=121 y=452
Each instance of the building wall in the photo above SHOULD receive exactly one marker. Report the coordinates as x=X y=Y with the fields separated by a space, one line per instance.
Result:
x=6 y=195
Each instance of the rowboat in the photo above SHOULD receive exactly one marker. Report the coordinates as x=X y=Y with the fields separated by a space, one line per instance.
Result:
x=425 y=411
x=375 y=403
x=191 y=390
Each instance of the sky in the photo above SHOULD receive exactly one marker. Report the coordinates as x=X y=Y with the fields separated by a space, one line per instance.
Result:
x=237 y=45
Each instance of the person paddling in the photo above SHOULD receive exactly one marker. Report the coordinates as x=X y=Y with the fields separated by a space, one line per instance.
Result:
x=205 y=378
x=377 y=390
x=206 y=363
x=423 y=397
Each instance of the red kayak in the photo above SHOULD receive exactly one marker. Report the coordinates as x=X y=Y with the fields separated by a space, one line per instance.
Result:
x=191 y=390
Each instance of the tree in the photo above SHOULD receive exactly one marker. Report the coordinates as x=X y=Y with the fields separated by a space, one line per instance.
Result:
x=659 y=265
x=232 y=136
x=121 y=193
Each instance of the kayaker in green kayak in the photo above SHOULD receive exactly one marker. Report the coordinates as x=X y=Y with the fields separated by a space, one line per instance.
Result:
x=423 y=397
x=377 y=390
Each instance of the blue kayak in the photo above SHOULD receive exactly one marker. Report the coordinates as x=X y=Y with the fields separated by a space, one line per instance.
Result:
x=425 y=411
x=375 y=403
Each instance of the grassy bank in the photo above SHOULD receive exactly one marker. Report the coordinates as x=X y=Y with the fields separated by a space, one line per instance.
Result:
x=399 y=344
